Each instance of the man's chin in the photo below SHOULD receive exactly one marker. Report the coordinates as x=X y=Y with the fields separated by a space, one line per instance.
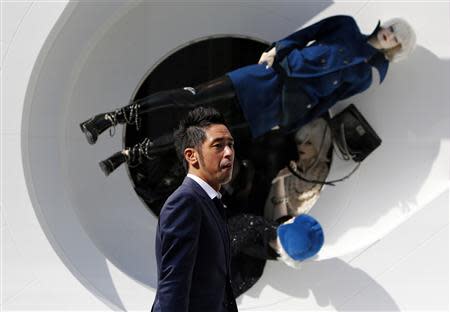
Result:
x=226 y=178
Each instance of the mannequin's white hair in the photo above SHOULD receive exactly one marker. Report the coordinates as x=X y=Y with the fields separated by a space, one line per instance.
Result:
x=319 y=134
x=405 y=35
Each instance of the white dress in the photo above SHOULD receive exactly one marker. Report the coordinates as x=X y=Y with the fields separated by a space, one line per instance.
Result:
x=292 y=196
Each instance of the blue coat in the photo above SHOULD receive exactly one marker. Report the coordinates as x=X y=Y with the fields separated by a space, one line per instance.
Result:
x=192 y=254
x=320 y=64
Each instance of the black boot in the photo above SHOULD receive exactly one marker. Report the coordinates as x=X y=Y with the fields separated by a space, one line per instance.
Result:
x=110 y=164
x=95 y=126
x=133 y=156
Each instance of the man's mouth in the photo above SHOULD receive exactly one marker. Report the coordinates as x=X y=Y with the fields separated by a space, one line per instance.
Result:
x=227 y=165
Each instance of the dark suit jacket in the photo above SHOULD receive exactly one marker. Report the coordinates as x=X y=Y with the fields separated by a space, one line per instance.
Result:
x=192 y=254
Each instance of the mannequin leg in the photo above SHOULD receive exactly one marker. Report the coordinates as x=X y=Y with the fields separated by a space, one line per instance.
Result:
x=137 y=154
x=206 y=94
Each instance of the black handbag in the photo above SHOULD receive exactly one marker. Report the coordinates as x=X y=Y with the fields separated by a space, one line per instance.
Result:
x=353 y=134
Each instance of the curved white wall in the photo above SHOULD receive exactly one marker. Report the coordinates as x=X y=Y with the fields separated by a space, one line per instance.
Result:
x=67 y=61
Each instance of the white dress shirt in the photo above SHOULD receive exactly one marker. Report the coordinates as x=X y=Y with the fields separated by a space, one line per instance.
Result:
x=205 y=186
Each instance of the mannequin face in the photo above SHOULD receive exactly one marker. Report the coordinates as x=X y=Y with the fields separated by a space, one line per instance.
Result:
x=306 y=150
x=387 y=39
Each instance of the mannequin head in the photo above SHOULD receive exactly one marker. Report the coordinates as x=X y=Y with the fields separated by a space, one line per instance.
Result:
x=396 y=38
x=313 y=140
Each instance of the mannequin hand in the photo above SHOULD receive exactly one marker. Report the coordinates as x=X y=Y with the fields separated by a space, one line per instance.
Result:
x=268 y=57
x=293 y=164
x=275 y=245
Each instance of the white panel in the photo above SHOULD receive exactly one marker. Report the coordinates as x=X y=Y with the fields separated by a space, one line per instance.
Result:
x=402 y=259
x=323 y=285
x=417 y=230
x=14 y=192
x=22 y=54
x=2 y=216
x=416 y=283
x=14 y=277
x=93 y=61
x=47 y=295
x=13 y=14
x=363 y=282
x=3 y=48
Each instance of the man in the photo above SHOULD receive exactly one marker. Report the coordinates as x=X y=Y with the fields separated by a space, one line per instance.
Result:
x=192 y=240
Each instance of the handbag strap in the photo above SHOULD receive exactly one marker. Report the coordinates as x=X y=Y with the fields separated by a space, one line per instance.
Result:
x=345 y=155
x=295 y=172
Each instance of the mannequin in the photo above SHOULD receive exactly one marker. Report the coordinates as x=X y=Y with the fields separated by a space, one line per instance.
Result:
x=297 y=80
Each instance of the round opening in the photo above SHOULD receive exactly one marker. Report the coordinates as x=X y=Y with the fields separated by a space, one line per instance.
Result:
x=189 y=66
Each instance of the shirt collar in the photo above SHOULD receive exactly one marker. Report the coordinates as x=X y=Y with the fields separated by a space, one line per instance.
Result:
x=376 y=57
x=205 y=186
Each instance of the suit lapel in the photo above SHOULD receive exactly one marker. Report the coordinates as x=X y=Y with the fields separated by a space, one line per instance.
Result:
x=221 y=223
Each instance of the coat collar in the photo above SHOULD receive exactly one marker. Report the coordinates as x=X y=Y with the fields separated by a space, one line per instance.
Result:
x=188 y=182
x=377 y=28
x=205 y=186
x=375 y=57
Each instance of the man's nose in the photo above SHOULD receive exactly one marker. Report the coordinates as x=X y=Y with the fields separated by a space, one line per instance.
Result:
x=229 y=151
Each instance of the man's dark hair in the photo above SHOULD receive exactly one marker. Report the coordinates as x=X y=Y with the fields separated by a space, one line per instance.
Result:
x=191 y=130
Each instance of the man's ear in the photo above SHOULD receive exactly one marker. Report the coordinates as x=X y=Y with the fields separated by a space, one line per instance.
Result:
x=191 y=156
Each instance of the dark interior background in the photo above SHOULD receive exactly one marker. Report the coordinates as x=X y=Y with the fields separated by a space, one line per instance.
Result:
x=194 y=64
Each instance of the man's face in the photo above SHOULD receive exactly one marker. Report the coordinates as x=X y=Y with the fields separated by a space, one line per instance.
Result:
x=216 y=156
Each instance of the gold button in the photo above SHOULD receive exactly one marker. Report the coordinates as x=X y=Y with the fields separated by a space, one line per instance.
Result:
x=322 y=61
x=335 y=82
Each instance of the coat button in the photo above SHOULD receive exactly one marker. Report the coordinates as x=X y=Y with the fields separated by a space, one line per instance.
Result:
x=335 y=82
x=341 y=50
x=308 y=106
x=345 y=61
x=322 y=61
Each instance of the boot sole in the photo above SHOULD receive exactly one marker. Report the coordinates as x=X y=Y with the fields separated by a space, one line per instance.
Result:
x=106 y=167
x=90 y=136
x=112 y=163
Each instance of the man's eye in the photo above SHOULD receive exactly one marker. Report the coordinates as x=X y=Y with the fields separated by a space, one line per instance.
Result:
x=391 y=29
